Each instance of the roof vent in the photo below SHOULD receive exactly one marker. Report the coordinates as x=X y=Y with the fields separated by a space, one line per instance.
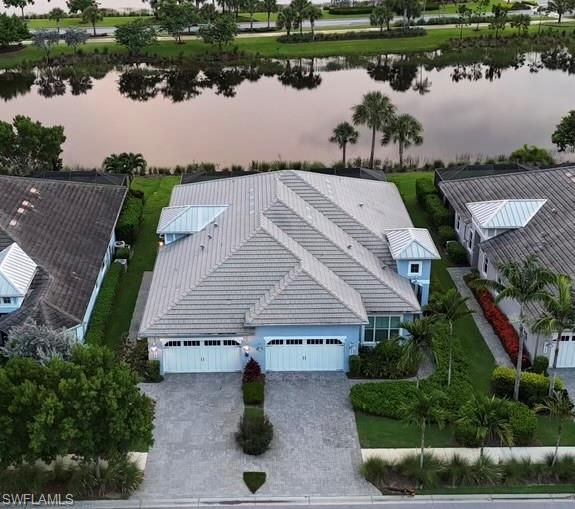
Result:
x=349 y=246
x=26 y=203
x=216 y=224
x=13 y=222
x=361 y=204
x=554 y=210
x=33 y=190
x=209 y=236
x=202 y=246
x=20 y=210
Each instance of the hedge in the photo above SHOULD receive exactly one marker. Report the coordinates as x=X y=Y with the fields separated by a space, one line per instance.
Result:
x=423 y=187
x=445 y=234
x=438 y=213
x=456 y=253
x=103 y=306
x=385 y=361
x=253 y=393
x=129 y=220
x=533 y=388
x=364 y=9
x=349 y=36
x=255 y=432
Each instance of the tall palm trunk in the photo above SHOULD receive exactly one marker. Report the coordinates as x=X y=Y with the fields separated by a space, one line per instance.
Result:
x=554 y=363
x=450 y=353
x=373 y=131
x=519 y=364
x=556 y=453
x=421 y=454
x=401 y=154
x=343 y=148
x=269 y=14
x=94 y=28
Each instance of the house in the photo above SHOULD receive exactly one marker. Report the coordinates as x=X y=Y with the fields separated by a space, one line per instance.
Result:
x=87 y=176
x=468 y=171
x=295 y=269
x=509 y=217
x=56 y=242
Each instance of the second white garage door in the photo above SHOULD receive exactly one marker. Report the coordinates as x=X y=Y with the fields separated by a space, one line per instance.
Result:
x=309 y=354
x=202 y=356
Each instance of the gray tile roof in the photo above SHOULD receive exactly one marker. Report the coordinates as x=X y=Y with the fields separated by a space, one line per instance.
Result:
x=549 y=235
x=65 y=228
x=290 y=247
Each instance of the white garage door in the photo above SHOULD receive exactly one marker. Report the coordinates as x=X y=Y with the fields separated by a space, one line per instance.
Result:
x=310 y=354
x=201 y=356
x=566 y=358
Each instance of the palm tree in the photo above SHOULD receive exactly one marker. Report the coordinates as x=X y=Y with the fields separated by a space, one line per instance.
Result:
x=451 y=307
x=422 y=86
x=422 y=410
x=57 y=14
x=126 y=162
x=375 y=111
x=404 y=130
x=524 y=282
x=560 y=7
x=558 y=316
x=560 y=407
x=487 y=416
x=286 y=19
x=269 y=6
x=420 y=333
x=314 y=13
x=300 y=9
x=92 y=14
x=343 y=134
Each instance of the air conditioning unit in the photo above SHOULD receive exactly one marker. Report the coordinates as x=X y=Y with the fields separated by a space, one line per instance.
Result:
x=119 y=244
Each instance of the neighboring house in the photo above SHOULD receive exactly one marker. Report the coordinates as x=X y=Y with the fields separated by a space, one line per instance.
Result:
x=468 y=171
x=295 y=269
x=56 y=243
x=87 y=177
x=509 y=217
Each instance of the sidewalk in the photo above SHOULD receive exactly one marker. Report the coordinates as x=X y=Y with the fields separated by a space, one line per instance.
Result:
x=485 y=329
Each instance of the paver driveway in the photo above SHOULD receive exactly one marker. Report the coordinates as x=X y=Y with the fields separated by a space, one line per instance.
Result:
x=315 y=450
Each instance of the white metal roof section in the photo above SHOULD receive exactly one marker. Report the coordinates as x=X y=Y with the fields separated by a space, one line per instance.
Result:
x=188 y=218
x=504 y=213
x=411 y=244
x=17 y=270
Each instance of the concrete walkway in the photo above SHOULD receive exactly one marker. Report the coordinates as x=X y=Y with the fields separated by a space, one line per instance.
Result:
x=140 y=305
x=499 y=354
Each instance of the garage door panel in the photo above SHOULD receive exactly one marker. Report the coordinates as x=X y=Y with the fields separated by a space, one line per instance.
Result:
x=201 y=356
x=312 y=354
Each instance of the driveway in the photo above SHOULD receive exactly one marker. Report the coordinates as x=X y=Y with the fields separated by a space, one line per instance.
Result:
x=315 y=450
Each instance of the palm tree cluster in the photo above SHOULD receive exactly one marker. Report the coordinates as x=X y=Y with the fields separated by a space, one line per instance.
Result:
x=377 y=113
x=296 y=13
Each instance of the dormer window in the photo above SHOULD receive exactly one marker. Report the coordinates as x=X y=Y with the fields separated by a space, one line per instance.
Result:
x=6 y=300
x=414 y=269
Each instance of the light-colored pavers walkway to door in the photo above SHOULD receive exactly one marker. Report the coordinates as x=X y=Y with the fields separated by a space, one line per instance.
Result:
x=315 y=450
x=485 y=329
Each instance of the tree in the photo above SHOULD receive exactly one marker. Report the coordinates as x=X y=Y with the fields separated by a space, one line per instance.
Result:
x=450 y=307
x=208 y=13
x=480 y=10
x=12 y=30
x=498 y=20
x=382 y=14
x=286 y=19
x=126 y=162
x=521 y=22
x=409 y=9
x=420 y=334
x=523 y=282
x=300 y=9
x=269 y=7
x=20 y=4
x=27 y=147
x=343 y=134
x=75 y=6
x=487 y=416
x=541 y=11
x=561 y=7
x=560 y=407
x=423 y=410
x=404 y=130
x=314 y=13
x=530 y=154
x=74 y=36
x=463 y=18
x=375 y=112
x=92 y=14
x=38 y=342
x=57 y=15
x=90 y=407
x=45 y=40
x=175 y=17
x=221 y=32
x=564 y=134
x=251 y=6
x=558 y=316
x=136 y=35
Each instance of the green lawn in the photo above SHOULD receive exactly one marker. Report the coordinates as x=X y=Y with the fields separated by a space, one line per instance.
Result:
x=470 y=490
x=157 y=192
x=112 y=21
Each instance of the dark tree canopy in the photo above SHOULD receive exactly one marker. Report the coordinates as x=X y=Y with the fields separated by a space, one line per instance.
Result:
x=12 y=30
x=136 y=35
x=564 y=135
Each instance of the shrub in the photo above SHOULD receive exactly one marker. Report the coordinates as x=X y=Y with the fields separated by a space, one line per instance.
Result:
x=364 y=9
x=122 y=253
x=386 y=399
x=129 y=221
x=255 y=433
x=428 y=476
x=424 y=187
x=438 y=213
x=355 y=366
x=446 y=234
x=465 y=435
x=540 y=365
x=254 y=480
x=456 y=253
x=100 y=315
x=152 y=374
x=533 y=389
x=252 y=372
x=253 y=393
x=457 y=472
x=485 y=472
x=375 y=471
x=523 y=423
x=388 y=359
x=349 y=36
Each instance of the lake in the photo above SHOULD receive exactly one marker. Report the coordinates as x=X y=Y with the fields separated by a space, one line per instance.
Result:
x=287 y=110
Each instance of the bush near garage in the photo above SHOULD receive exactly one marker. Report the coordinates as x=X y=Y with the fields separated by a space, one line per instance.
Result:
x=255 y=432
x=533 y=389
x=456 y=253
x=253 y=393
x=252 y=372
x=386 y=360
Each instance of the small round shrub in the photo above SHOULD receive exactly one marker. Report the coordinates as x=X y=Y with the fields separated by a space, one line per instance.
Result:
x=523 y=423
x=456 y=253
x=540 y=365
x=252 y=372
x=255 y=433
x=375 y=470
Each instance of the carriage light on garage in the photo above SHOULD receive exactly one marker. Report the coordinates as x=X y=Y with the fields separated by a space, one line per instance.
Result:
x=246 y=349
x=154 y=351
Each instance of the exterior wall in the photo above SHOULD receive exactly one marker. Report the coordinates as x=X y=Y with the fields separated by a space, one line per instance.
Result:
x=13 y=306
x=423 y=279
x=172 y=237
x=352 y=334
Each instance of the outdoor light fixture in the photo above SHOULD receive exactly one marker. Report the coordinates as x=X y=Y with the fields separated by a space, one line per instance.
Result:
x=154 y=351
x=246 y=349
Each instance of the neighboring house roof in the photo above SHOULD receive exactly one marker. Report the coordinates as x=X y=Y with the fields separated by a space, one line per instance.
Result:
x=548 y=235
x=288 y=248
x=188 y=218
x=65 y=228
x=504 y=213
x=17 y=270
x=412 y=244
x=86 y=177
x=468 y=171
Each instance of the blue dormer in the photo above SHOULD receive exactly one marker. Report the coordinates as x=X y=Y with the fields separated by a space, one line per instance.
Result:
x=180 y=221
x=413 y=250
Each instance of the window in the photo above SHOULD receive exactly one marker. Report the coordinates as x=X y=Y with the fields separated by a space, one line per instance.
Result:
x=7 y=300
x=315 y=341
x=485 y=264
x=457 y=222
x=276 y=342
x=212 y=342
x=470 y=239
x=414 y=268
x=192 y=343
x=294 y=341
x=333 y=342
x=173 y=343
x=230 y=342
x=381 y=328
